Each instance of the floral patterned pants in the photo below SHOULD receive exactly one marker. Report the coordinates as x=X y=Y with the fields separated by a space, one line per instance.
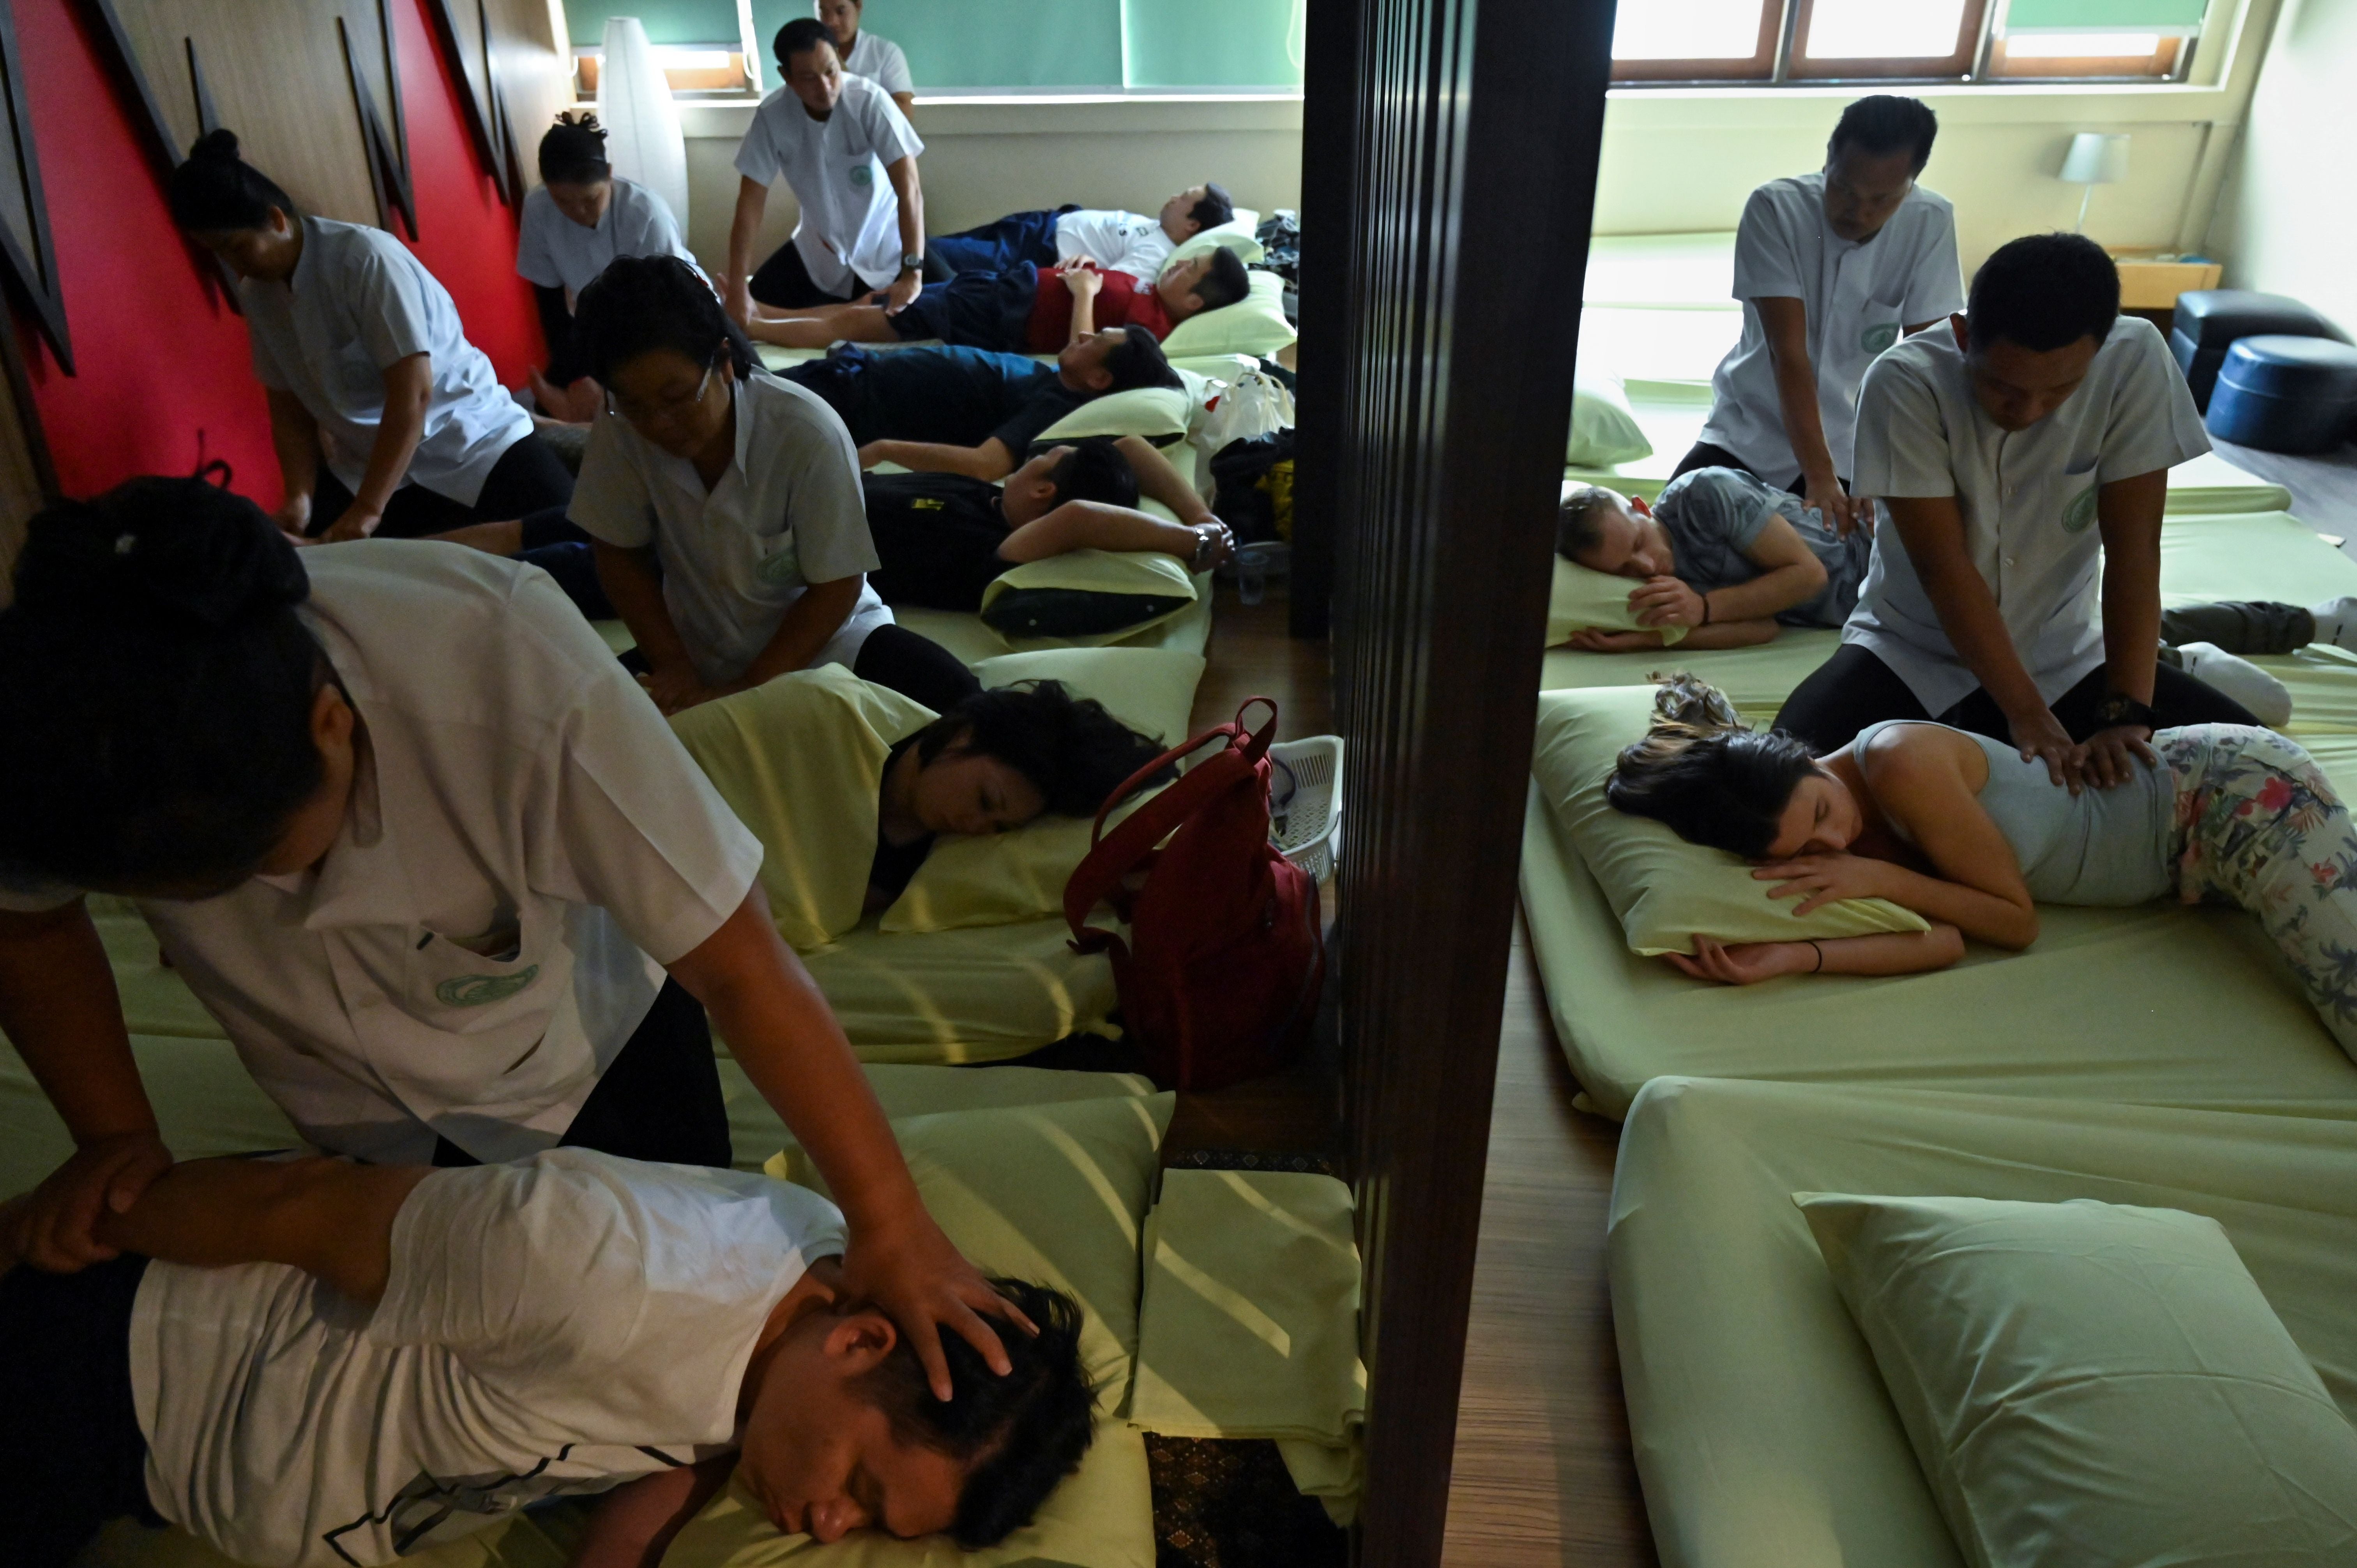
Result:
x=2258 y=826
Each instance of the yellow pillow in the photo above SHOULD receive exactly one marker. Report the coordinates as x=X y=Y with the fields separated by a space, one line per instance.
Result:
x=799 y=759
x=1052 y=1193
x=1255 y=325
x=1663 y=889
x=1237 y=234
x=1155 y=413
x=998 y=879
x=1146 y=573
x=1584 y=599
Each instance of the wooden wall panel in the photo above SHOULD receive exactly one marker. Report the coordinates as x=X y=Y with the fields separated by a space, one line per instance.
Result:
x=276 y=70
x=1443 y=222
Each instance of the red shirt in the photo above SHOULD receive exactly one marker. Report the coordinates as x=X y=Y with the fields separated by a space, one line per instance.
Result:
x=1122 y=302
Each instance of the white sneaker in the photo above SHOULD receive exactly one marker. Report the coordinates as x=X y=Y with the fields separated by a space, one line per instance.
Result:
x=2238 y=678
x=2336 y=623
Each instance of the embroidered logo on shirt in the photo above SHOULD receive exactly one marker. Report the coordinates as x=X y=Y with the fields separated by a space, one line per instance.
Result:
x=1877 y=338
x=782 y=567
x=863 y=175
x=2080 y=512
x=928 y=503
x=483 y=990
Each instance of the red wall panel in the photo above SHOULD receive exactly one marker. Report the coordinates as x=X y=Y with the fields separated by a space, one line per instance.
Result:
x=166 y=377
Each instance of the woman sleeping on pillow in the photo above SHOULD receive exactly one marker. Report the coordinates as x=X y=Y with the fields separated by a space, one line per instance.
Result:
x=1962 y=830
x=994 y=762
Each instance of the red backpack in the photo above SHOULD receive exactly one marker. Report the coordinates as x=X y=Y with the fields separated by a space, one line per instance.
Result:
x=1219 y=977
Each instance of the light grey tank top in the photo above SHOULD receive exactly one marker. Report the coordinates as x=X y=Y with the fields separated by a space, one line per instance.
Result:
x=2099 y=846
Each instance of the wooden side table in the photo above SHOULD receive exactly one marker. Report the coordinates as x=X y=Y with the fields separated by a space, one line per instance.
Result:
x=2150 y=287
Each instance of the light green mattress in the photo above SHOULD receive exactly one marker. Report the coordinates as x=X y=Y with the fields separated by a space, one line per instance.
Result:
x=978 y=994
x=1762 y=1434
x=2156 y=1005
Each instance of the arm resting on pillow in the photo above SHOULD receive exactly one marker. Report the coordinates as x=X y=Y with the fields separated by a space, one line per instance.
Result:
x=1092 y=525
x=1890 y=953
x=1157 y=480
x=991 y=460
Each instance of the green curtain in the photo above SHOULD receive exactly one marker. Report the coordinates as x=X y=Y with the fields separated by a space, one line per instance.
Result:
x=2105 y=16
x=667 y=21
x=983 y=43
x=1212 y=43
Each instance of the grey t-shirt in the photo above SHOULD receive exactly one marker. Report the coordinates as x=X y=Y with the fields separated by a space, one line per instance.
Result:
x=1713 y=516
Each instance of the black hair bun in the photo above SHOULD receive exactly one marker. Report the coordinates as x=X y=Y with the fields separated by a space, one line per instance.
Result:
x=216 y=147
x=182 y=547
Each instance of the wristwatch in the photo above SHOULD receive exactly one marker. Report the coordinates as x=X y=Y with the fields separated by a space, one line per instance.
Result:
x=2119 y=708
x=913 y=261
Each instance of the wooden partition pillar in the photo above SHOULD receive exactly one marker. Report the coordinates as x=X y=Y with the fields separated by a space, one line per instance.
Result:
x=1448 y=184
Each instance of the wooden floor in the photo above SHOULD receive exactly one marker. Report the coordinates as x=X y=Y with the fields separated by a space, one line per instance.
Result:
x=1543 y=1477
x=1297 y=1112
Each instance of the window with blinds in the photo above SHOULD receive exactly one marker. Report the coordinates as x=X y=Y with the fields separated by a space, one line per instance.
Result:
x=1813 y=41
x=1025 y=45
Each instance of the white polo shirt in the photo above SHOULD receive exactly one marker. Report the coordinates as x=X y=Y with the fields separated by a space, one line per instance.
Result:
x=358 y=300
x=849 y=231
x=1130 y=243
x=2028 y=497
x=548 y=1328
x=526 y=841
x=880 y=61
x=787 y=512
x=554 y=252
x=1860 y=296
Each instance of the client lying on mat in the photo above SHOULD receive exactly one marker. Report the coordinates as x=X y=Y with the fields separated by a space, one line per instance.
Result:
x=1731 y=559
x=409 y=1355
x=1966 y=833
x=1023 y=310
x=944 y=538
x=992 y=762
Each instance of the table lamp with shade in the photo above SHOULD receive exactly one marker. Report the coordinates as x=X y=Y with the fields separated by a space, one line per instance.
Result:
x=2094 y=159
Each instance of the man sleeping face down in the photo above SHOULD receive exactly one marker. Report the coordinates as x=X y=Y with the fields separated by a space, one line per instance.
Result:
x=314 y=1362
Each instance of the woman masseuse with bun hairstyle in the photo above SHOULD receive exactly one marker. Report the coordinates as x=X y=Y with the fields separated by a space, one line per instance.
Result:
x=411 y=835
x=386 y=420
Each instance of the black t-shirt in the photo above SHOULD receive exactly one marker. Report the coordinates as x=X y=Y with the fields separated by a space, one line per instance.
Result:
x=938 y=537
x=956 y=396
x=895 y=864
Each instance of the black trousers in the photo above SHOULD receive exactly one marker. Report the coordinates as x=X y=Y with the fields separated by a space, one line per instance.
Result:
x=784 y=282
x=528 y=478
x=1855 y=689
x=1704 y=455
x=660 y=1098
x=916 y=667
x=71 y=1454
x=2241 y=626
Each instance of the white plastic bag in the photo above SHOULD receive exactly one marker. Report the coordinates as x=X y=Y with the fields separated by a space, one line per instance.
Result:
x=1255 y=403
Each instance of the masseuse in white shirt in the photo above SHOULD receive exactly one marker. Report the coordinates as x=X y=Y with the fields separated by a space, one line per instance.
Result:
x=850 y=158
x=581 y=216
x=864 y=54
x=385 y=419
x=402 y=825
x=2022 y=450
x=724 y=505
x=1832 y=268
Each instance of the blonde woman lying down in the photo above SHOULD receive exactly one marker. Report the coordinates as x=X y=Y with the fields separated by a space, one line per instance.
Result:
x=1962 y=830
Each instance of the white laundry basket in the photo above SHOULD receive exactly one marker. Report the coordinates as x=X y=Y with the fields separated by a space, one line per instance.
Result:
x=1305 y=802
